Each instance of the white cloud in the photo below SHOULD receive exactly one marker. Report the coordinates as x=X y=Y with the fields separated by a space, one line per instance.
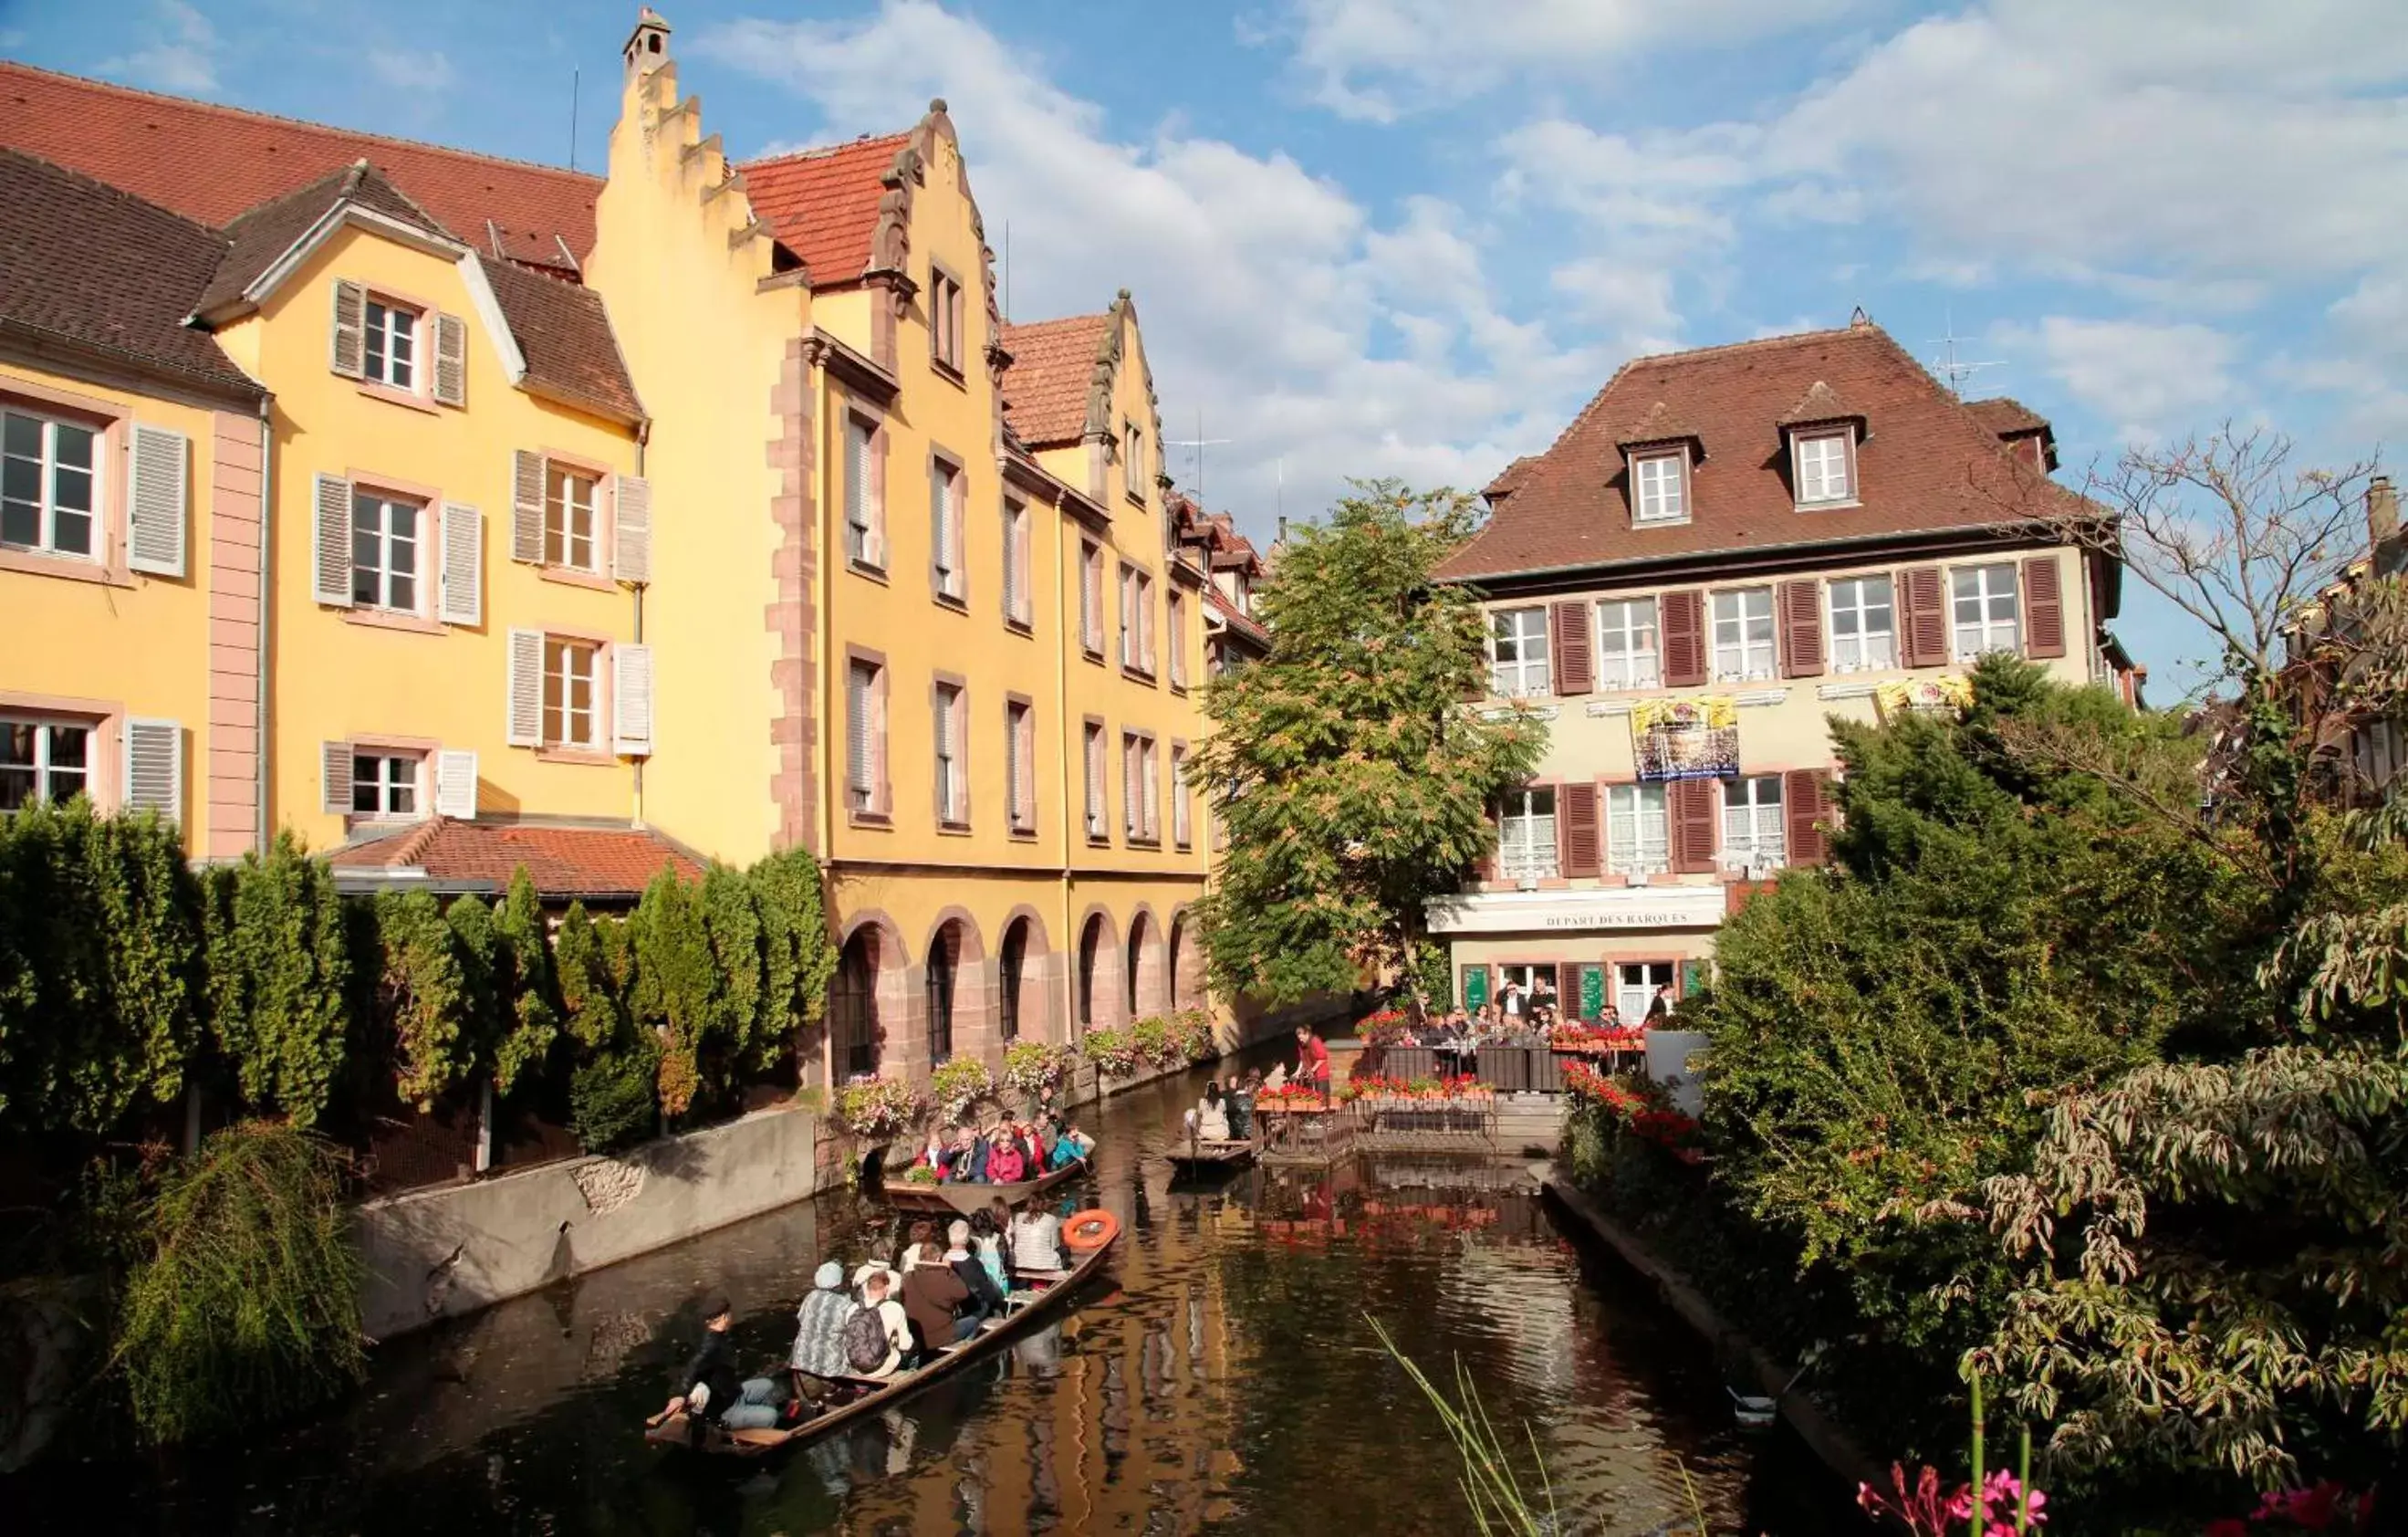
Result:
x=180 y=56
x=417 y=71
x=2149 y=379
x=1268 y=292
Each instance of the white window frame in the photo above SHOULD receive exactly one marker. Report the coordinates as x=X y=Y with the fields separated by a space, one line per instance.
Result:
x=862 y=513
x=1993 y=584
x=1755 y=834
x=567 y=725
x=1182 y=815
x=953 y=782
x=1659 y=483
x=43 y=765
x=1634 y=998
x=1091 y=598
x=1739 y=654
x=946 y=486
x=380 y=572
x=1863 y=648
x=380 y=362
x=1099 y=805
x=1824 y=466
x=1621 y=661
x=1016 y=599
x=1526 y=834
x=1523 y=676
x=1638 y=829
x=1177 y=623
x=396 y=773
x=562 y=511
x=47 y=471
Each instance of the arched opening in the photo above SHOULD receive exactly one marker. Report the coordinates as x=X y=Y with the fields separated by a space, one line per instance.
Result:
x=1091 y=955
x=944 y=965
x=1139 y=932
x=1009 y=965
x=853 y=1007
x=1184 y=993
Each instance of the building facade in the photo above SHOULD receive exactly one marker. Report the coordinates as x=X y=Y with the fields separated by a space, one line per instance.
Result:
x=692 y=511
x=1726 y=550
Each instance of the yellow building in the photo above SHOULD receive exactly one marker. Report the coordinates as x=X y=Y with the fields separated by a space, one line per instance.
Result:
x=1724 y=551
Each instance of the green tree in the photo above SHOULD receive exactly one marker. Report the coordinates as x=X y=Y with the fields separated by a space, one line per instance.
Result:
x=800 y=953
x=677 y=993
x=280 y=978
x=525 y=982
x=1353 y=778
x=591 y=994
x=422 y=996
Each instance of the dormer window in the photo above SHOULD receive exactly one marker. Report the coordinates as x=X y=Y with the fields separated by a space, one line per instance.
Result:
x=1659 y=486
x=1825 y=467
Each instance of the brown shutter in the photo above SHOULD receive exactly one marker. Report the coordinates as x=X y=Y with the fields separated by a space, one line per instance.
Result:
x=1568 y=990
x=1683 y=617
x=1802 y=804
x=1801 y=629
x=2044 y=608
x=1926 y=617
x=1578 y=804
x=335 y=777
x=1689 y=806
x=1575 y=653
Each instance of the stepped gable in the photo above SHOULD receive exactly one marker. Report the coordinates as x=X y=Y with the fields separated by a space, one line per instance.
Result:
x=100 y=270
x=214 y=163
x=1047 y=389
x=822 y=203
x=1926 y=463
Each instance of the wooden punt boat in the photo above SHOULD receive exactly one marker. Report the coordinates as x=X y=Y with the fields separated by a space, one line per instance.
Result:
x=1196 y=1159
x=962 y=1200
x=1055 y=1295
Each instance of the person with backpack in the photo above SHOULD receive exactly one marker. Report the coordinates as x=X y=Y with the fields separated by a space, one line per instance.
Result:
x=878 y=1336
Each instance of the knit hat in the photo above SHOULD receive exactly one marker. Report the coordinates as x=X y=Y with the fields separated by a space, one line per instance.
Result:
x=830 y=1277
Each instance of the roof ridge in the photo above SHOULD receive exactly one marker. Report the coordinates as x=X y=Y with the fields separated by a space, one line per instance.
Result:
x=1105 y=315
x=218 y=109
x=1757 y=342
x=822 y=151
x=115 y=191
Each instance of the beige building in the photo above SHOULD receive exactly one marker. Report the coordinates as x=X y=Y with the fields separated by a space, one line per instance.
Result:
x=1727 y=549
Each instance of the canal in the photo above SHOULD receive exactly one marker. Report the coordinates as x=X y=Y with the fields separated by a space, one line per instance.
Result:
x=1226 y=1380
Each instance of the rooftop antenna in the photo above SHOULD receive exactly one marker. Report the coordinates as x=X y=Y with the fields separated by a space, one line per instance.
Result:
x=1199 y=443
x=573 y=74
x=1954 y=371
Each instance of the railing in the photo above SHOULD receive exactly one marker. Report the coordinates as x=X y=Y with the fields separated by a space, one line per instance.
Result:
x=1507 y=1070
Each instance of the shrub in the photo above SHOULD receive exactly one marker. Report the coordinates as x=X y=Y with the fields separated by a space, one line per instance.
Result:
x=523 y=982
x=1154 y=1043
x=1037 y=1069
x=1192 y=1033
x=958 y=1086
x=1114 y=1053
x=877 y=1108
x=244 y=1305
x=421 y=995
x=612 y=1101
x=280 y=977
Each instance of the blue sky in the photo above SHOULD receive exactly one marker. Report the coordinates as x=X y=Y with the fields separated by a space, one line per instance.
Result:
x=1412 y=236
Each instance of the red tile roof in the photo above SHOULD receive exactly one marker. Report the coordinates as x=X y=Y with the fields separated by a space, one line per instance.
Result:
x=1925 y=464
x=260 y=237
x=213 y=163
x=563 y=861
x=824 y=203
x=564 y=332
x=99 y=269
x=1051 y=377
x=2007 y=416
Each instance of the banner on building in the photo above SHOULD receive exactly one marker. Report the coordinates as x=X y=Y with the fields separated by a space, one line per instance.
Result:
x=1943 y=696
x=1684 y=739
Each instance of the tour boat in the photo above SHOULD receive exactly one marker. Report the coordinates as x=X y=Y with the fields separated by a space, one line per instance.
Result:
x=1054 y=1292
x=1193 y=1158
x=962 y=1200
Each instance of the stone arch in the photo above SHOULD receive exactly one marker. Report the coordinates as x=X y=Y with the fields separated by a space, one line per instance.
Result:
x=952 y=992
x=1096 y=993
x=1142 y=966
x=1027 y=980
x=1184 y=962
x=868 y=995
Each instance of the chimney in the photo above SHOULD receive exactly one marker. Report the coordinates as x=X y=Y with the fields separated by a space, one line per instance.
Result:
x=647 y=46
x=2382 y=512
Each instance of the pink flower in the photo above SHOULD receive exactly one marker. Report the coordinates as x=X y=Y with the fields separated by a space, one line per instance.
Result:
x=2311 y=1508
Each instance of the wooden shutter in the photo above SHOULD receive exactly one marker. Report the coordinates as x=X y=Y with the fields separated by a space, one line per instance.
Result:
x=335 y=778
x=153 y=768
x=1575 y=652
x=1682 y=615
x=1800 y=604
x=451 y=360
x=1924 y=616
x=525 y=702
x=631 y=700
x=455 y=785
x=1802 y=805
x=526 y=507
x=1568 y=990
x=630 y=527
x=1578 y=805
x=2044 y=608
x=347 y=352
x=463 y=600
x=1689 y=807
x=159 y=495
x=331 y=539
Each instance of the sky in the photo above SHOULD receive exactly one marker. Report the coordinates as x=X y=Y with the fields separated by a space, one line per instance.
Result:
x=1412 y=237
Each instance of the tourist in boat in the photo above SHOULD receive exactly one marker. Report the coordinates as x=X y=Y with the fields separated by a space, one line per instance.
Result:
x=1311 y=1059
x=1241 y=1104
x=1659 y=1012
x=986 y=1247
x=1211 y=1114
x=819 y=1327
x=1072 y=1145
x=1043 y=1137
x=1036 y=1240
x=968 y=1166
x=878 y=1297
x=708 y=1384
x=938 y=1152
x=921 y=1249
x=932 y=1295
x=1007 y=1160
x=986 y=1297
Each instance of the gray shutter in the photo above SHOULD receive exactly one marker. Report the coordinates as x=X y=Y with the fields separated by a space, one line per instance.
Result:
x=526 y=689
x=451 y=360
x=154 y=768
x=331 y=570
x=455 y=785
x=857 y=755
x=463 y=600
x=335 y=777
x=347 y=354
x=161 y=481
x=526 y=507
x=631 y=520
x=631 y=700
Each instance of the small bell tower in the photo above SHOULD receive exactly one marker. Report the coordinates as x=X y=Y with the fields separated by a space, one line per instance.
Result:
x=647 y=46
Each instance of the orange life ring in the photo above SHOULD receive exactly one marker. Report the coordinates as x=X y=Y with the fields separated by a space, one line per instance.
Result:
x=1090 y=1229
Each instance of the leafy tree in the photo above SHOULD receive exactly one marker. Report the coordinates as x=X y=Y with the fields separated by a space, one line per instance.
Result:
x=799 y=954
x=591 y=993
x=280 y=978
x=1352 y=776
x=524 y=982
x=737 y=1029
x=421 y=995
x=677 y=994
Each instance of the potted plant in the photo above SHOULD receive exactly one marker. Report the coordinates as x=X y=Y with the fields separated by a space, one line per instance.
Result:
x=1036 y=1070
x=1154 y=1043
x=958 y=1086
x=878 y=1109
x=1114 y=1053
x=1193 y=1029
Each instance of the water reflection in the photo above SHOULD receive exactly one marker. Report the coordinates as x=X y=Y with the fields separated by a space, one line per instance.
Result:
x=1224 y=1380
